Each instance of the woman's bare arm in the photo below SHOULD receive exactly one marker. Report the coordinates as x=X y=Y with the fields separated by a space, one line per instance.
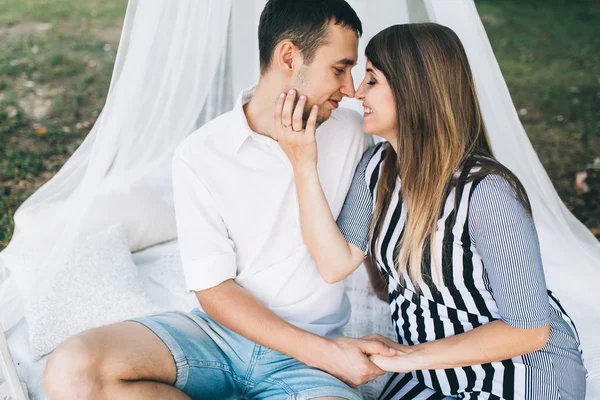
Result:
x=334 y=256
x=492 y=342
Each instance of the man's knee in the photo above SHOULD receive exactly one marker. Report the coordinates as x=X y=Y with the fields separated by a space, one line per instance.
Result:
x=73 y=370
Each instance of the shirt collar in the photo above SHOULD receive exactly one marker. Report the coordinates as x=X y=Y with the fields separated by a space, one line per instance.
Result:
x=241 y=130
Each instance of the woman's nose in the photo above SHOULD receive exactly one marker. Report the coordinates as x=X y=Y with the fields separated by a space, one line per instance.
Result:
x=359 y=95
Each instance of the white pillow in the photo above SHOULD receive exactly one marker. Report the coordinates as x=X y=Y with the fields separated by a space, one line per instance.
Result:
x=98 y=285
x=147 y=218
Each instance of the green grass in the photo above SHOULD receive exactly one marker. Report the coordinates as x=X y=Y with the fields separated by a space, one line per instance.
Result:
x=549 y=53
x=53 y=11
x=56 y=59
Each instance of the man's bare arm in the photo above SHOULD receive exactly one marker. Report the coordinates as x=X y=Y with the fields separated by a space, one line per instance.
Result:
x=346 y=358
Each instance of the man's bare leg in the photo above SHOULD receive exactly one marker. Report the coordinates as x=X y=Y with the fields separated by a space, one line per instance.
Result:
x=124 y=360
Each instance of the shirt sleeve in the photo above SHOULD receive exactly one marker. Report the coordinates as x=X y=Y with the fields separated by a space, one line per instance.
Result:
x=207 y=252
x=505 y=236
x=355 y=218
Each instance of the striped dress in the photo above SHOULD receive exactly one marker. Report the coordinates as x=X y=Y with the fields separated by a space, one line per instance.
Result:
x=484 y=265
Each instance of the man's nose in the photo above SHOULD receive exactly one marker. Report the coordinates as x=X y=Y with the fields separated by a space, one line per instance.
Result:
x=359 y=95
x=348 y=87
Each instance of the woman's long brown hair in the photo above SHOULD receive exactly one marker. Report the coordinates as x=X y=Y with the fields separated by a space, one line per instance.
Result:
x=439 y=125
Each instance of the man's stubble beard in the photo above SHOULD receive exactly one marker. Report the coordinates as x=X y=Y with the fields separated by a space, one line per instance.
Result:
x=301 y=84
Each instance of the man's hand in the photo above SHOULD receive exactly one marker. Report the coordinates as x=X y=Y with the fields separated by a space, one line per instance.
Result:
x=401 y=362
x=348 y=359
x=388 y=342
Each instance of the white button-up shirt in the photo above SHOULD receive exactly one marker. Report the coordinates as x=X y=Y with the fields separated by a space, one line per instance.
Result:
x=238 y=217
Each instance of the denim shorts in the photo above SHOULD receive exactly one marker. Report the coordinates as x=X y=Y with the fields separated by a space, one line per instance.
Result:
x=214 y=362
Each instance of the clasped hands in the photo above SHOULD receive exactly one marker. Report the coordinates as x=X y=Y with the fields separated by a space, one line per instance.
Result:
x=358 y=361
x=403 y=361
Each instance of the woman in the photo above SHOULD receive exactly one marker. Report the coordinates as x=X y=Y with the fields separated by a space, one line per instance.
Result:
x=448 y=226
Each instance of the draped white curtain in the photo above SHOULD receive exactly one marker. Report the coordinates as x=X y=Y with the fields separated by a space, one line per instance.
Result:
x=571 y=254
x=181 y=63
x=168 y=79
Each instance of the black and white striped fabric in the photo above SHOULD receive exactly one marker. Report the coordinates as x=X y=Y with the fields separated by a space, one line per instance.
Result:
x=483 y=264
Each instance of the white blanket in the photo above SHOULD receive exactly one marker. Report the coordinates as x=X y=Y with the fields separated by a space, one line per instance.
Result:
x=160 y=269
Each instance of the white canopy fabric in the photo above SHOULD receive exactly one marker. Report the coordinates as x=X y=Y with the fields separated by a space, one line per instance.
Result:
x=180 y=64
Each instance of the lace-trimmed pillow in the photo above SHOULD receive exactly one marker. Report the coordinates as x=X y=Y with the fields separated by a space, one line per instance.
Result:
x=98 y=285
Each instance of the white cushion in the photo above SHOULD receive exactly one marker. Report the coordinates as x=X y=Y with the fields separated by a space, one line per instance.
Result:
x=98 y=285
x=147 y=218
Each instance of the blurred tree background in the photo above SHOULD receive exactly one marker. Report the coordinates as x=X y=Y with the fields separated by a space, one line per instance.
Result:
x=56 y=59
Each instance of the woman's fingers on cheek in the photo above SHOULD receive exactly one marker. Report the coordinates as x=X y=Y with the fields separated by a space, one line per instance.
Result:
x=288 y=107
x=298 y=113
x=312 y=120
x=300 y=105
x=279 y=107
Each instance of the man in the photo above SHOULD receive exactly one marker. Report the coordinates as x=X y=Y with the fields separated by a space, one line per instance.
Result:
x=270 y=325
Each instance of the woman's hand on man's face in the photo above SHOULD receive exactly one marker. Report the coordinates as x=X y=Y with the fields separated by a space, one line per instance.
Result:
x=297 y=141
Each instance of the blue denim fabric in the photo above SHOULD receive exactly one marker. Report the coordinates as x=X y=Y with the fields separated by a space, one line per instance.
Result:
x=214 y=362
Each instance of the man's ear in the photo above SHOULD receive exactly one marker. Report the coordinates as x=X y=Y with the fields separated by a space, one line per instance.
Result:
x=286 y=57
